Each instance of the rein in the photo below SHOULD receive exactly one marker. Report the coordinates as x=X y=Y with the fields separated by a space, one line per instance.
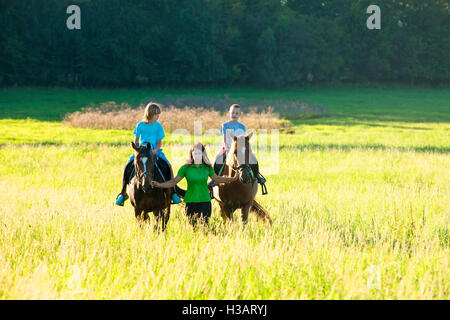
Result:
x=146 y=173
x=244 y=166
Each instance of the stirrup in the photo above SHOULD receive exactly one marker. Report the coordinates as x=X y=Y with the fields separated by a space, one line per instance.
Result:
x=262 y=182
x=264 y=189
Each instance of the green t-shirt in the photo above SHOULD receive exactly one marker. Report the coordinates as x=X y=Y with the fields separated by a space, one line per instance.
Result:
x=197 y=182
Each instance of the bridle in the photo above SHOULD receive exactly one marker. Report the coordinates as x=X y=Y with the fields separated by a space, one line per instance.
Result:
x=142 y=174
x=244 y=167
x=145 y=173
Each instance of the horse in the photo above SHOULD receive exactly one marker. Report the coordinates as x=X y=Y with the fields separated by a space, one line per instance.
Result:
x=143 y=196
x=240 y=194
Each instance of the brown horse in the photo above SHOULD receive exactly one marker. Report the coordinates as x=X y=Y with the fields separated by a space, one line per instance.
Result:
x=240 y=194
x=143 y=197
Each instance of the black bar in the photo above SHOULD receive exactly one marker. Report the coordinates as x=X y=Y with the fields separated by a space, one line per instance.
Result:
x=225 y=309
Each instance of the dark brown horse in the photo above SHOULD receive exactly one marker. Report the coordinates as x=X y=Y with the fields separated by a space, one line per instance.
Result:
x=240 y=194
x=143 y=197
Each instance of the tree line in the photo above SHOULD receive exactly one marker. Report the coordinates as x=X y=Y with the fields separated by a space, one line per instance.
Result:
x=272 y=43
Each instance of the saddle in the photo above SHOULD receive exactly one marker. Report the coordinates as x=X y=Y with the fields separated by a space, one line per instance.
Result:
x=162 y=168
x=218 y=169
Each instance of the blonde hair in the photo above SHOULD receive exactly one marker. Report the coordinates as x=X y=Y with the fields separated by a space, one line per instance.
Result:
x=150 y=110
x=205 y=159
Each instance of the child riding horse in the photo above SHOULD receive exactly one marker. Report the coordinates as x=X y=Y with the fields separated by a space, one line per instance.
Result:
x=240 y=194
x=228 y=129
x=143 y=197
x=149 y=130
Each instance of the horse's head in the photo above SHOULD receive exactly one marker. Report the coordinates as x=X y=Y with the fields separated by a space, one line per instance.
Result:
x=241 y=156
x=144 y=161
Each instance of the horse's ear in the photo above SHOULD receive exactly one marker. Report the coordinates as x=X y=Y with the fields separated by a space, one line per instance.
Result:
x=149 y=147
x=135 y=147
x=250 y=135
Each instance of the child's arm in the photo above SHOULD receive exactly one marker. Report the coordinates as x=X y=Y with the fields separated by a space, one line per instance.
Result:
x=218 y=179
x=158 y=146
x=223 y=131
x=167 y=184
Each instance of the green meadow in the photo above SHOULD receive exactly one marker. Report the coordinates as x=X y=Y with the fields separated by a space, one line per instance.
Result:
x=359 y=203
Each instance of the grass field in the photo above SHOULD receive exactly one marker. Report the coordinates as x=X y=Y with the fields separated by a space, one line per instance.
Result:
x=360 y=205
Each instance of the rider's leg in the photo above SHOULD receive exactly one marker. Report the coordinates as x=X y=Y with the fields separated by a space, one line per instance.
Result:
x=126 y=177
x=175 y=197
x=127 y=170
x=219 y=162
x=259 y=178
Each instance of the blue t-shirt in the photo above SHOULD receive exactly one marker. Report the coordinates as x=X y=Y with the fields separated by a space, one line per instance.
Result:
x=236 y=128
x=149 y=132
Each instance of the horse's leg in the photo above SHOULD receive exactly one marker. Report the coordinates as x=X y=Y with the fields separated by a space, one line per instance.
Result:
x=222 y=211
x=165 y=218
x=226 y=212
x=138 y=214
x=165 y=213
x=157 y=214
x=244 y=212
x=231 y=214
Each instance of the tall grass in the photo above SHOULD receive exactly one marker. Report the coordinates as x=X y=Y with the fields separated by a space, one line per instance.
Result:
x=353 y=224
x=360 y=210
x=113 y=116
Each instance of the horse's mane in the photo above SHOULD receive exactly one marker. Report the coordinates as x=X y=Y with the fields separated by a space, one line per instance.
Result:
x=231 y=156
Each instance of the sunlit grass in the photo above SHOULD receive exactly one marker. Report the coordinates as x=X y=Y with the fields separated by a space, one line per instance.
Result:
x=340 y=218
x=359 y=209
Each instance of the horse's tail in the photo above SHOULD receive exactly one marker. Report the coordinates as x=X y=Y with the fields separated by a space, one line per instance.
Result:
x=260 y=211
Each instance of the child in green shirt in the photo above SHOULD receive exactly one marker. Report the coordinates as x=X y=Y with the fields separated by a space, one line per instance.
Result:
x=196 y=171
